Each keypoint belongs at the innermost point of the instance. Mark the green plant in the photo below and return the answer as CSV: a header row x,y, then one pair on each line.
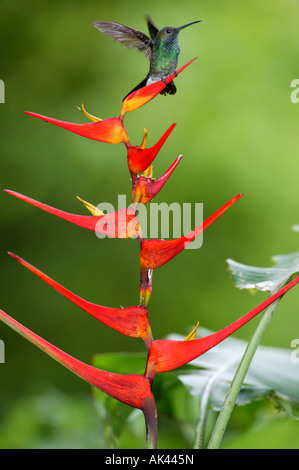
x,y
109,374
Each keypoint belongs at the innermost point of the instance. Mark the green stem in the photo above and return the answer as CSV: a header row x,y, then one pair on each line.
x,y
204,405
150,415
239,377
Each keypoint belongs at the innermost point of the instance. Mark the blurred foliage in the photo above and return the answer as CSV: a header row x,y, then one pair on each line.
x,y
237,130
48,420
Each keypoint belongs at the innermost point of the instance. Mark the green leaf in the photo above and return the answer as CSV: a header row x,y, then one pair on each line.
x,y
197,383
264,279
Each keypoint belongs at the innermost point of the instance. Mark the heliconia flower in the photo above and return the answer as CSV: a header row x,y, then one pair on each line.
x,y
110,131
140,158
147,188
120,224
154,253
132,389
142,96
166,355
130,321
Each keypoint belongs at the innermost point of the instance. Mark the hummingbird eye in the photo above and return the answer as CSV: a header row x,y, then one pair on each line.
x,y
168,31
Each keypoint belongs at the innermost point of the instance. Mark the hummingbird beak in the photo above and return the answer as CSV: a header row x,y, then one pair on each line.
x,y
188,24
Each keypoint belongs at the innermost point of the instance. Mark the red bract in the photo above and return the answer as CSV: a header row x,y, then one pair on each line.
x,y
130,321
140,158
142,96
132,389
147,188
166,355
110,131
120,224
155,253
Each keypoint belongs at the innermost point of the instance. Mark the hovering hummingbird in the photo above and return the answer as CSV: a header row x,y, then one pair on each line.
x,y
161,48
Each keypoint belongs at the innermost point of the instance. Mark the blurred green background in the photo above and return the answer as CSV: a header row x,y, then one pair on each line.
x,y
236,127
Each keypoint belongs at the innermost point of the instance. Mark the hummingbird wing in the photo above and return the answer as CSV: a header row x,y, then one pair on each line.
x,y
127,36
152,28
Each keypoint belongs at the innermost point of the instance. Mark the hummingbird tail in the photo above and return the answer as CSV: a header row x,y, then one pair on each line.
x,y
137,87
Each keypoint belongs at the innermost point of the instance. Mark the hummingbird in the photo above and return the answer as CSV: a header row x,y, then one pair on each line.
x,y
161,48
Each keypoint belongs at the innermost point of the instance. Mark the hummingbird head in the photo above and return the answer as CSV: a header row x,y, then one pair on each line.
x,y
168,34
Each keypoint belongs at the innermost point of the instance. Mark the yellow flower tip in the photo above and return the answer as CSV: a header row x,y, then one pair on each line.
x,y
94,210
89,116
191,335
136,195
143,143
144,297
141,297
147,298
135,230
148,173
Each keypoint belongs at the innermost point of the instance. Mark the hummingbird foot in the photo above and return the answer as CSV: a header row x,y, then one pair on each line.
x,y
170,89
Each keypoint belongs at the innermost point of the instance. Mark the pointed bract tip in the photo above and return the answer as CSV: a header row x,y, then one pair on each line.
x,y
13,255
